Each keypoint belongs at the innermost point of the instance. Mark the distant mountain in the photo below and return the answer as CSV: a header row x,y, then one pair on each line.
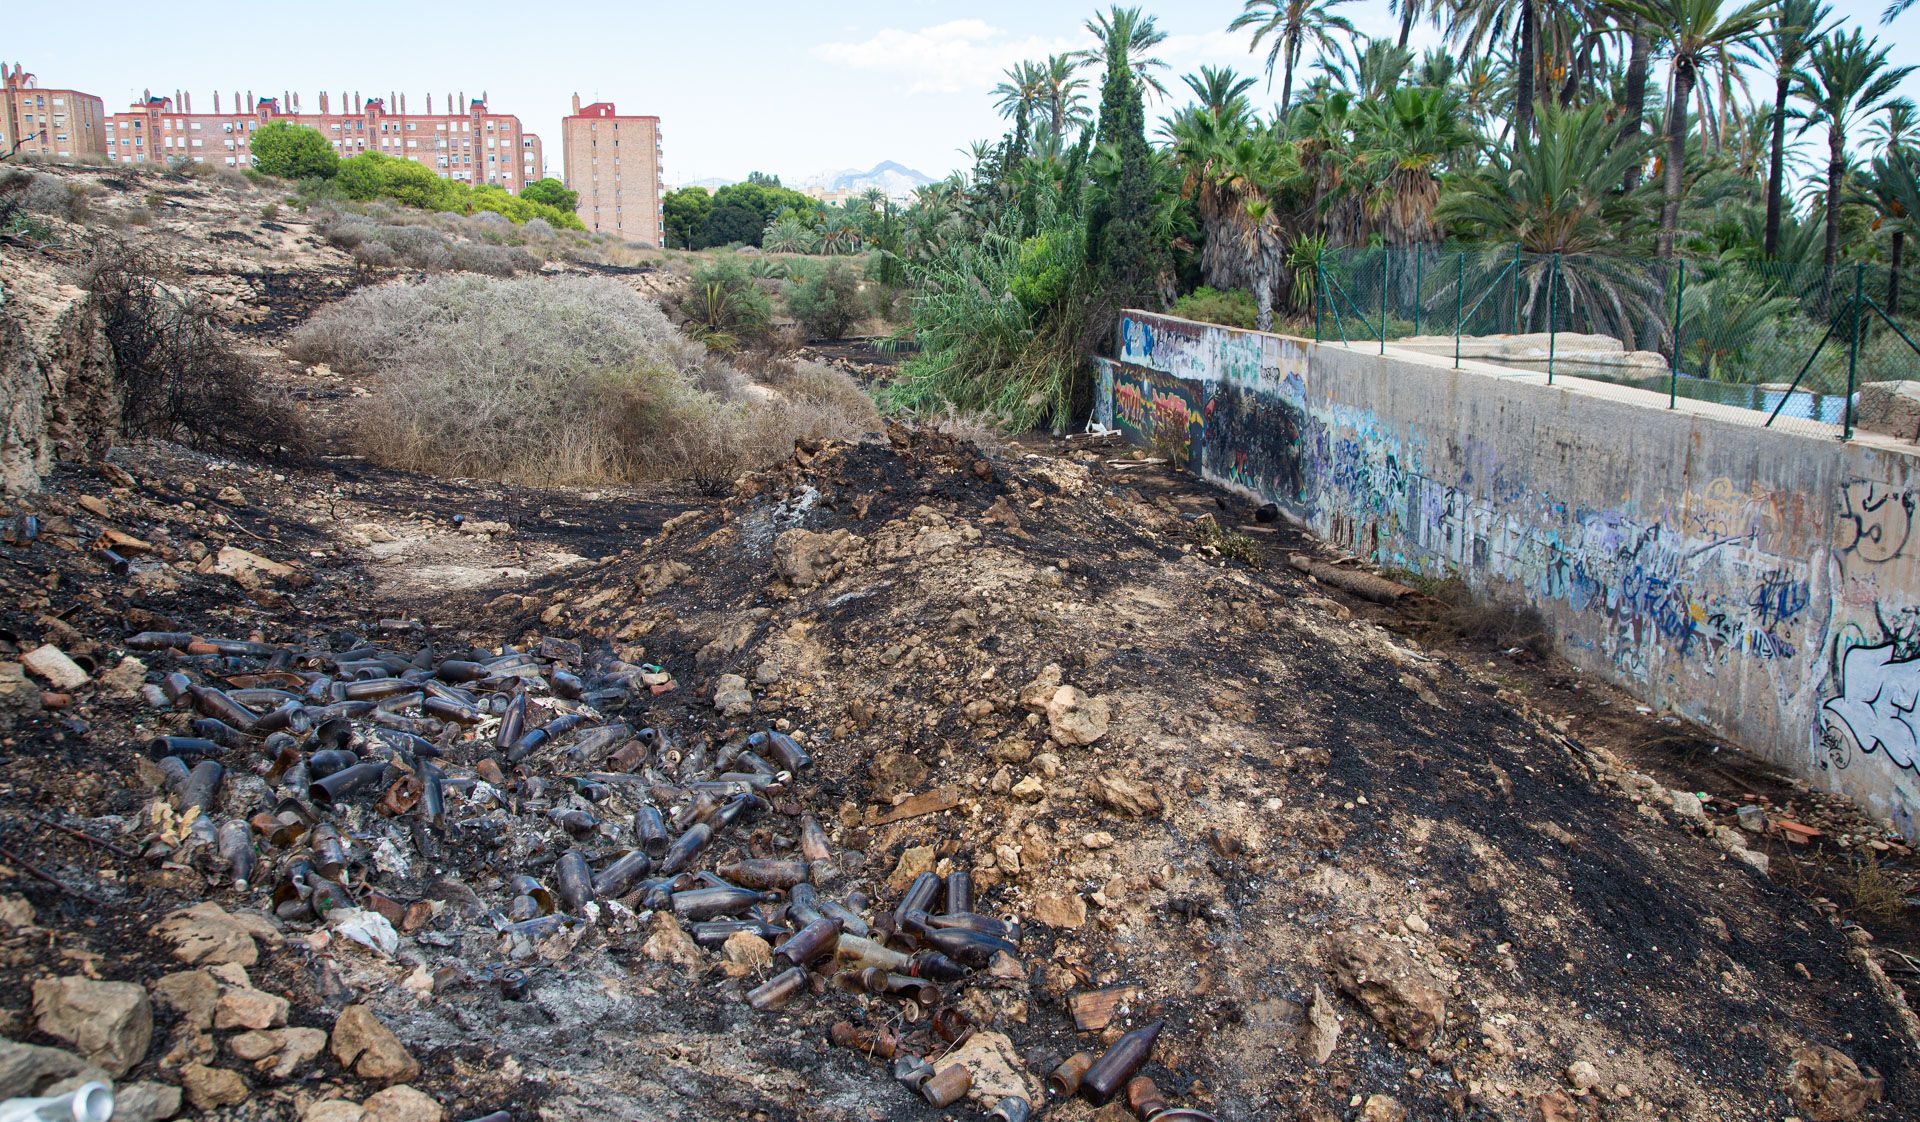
x,y
895,179
712,183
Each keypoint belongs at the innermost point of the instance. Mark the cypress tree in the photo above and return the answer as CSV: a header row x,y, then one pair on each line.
x,y
1120,231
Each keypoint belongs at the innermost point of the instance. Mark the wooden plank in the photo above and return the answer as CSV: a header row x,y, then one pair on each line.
x,y
1093,1010
926,802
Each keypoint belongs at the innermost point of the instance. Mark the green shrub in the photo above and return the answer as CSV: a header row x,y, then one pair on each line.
x,y
723,305
270,211
1232,308
293,151
827,300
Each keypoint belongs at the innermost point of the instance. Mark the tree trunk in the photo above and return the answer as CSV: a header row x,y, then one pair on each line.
x,y
1636,96
1262,297
1776,164
1406,21
1286,83
1676,157
1893,274
1524,75
1836,167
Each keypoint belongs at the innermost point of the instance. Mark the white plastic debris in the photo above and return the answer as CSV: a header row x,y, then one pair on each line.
x,y
369,929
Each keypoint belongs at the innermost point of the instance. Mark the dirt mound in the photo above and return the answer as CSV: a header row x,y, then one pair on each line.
x,y
1276,801
1340,868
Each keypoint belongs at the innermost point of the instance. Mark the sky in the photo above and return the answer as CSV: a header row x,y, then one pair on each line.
x,y
793,89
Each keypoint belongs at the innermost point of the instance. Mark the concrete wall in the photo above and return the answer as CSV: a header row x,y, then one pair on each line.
x,y
1765,583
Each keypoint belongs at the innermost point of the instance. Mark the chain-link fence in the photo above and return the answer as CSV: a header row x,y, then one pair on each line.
x,y
1797,343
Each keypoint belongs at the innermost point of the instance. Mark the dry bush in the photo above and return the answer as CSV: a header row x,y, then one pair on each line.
x,y
553,380
494,260
40,193
178,374
1452,612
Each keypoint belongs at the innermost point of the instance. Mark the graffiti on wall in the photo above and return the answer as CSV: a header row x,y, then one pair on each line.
x,y
1103,392
1791,613
1158,411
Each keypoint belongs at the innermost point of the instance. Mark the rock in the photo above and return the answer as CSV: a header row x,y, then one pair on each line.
x,y
369,1049
210,1088
485,529
19,697
1076,719
670,943
1060,909
914,860
334,1110
124,681
145,1102
1383,1108
803,558
298,1048
28,1070
744,948
231,495
110,1023
16,913
190,993
1029,789
401,1104
895,772
251,1046
1322,1030
249,1009
1098,839
656,578
1556,1106
52,664
206,933
996,1068
1892,408
246,567
1582,1076
1399,992
731,696
1827,1086
1686,804
1035,694
1128,796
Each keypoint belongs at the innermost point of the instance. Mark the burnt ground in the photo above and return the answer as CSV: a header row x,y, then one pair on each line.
x,y
1318,776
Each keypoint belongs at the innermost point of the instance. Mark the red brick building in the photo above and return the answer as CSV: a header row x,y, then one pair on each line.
x,y
51,124
468,142
614,162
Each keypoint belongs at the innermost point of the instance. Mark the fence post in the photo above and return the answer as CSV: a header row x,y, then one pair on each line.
x,y
1518,288
1459,297
1679,315
1553,304
1319,291
1386,272
1417,276
1853,350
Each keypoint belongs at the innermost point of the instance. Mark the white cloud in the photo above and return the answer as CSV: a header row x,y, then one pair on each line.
x,y
960,56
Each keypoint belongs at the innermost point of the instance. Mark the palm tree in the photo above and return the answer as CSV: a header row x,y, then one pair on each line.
x,y
1898,127
1023,88
1368,72
1725,315
1892,189
1220,91
1789,33
1290,23
1411,136
1129,35
1698,37
1410,10
1062,93
1845,77
1477,21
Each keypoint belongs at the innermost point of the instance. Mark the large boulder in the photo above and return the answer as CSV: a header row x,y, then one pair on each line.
x,y
110,1023
58,395
1892,408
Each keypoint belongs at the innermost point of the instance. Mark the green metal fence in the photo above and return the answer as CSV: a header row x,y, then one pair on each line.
x,y
1793,342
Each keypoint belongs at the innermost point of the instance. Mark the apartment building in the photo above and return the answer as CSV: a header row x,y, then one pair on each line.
x,y
53,124
467,141
614,163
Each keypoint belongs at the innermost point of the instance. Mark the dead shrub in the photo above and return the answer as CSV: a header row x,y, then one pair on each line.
x,y
1874,892
553,380
179,376
494,260
1450,611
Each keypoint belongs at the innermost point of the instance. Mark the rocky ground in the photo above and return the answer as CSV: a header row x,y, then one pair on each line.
x,y
1358,861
